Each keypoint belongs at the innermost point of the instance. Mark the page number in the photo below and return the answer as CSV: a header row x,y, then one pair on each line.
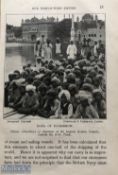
x,y
101,6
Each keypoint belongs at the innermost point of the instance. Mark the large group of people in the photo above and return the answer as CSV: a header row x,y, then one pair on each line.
x,y
61,87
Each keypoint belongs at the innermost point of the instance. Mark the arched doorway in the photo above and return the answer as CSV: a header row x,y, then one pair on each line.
x,y
33,37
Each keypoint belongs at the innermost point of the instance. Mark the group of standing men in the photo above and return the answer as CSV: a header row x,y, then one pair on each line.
x,y
44,48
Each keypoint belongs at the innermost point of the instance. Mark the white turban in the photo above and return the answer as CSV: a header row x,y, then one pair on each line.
x,y
30,88
84,95
38,39
66,93
39,76
20,81
97,91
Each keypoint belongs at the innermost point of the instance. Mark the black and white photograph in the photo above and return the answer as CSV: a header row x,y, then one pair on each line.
x,y
55,66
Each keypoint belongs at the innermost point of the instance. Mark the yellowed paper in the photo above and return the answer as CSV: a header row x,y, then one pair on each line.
x,y
37,145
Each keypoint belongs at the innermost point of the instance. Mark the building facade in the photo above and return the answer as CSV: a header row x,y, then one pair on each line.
x,y
10,36
35,28
90,28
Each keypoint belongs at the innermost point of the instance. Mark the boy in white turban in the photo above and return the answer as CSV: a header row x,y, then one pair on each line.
x,y
66,108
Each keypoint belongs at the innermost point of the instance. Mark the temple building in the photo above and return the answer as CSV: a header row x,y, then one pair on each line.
x,y
90,27
34,28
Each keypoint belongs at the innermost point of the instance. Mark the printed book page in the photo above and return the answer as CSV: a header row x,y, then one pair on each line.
x,y
58,81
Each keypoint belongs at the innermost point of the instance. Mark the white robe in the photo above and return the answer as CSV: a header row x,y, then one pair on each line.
x,y
71,51
58,48
95,50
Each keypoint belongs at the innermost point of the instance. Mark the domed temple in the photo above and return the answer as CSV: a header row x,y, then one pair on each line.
x,y
89,27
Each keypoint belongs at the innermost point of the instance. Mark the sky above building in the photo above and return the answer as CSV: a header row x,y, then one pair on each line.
x,y
15,19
